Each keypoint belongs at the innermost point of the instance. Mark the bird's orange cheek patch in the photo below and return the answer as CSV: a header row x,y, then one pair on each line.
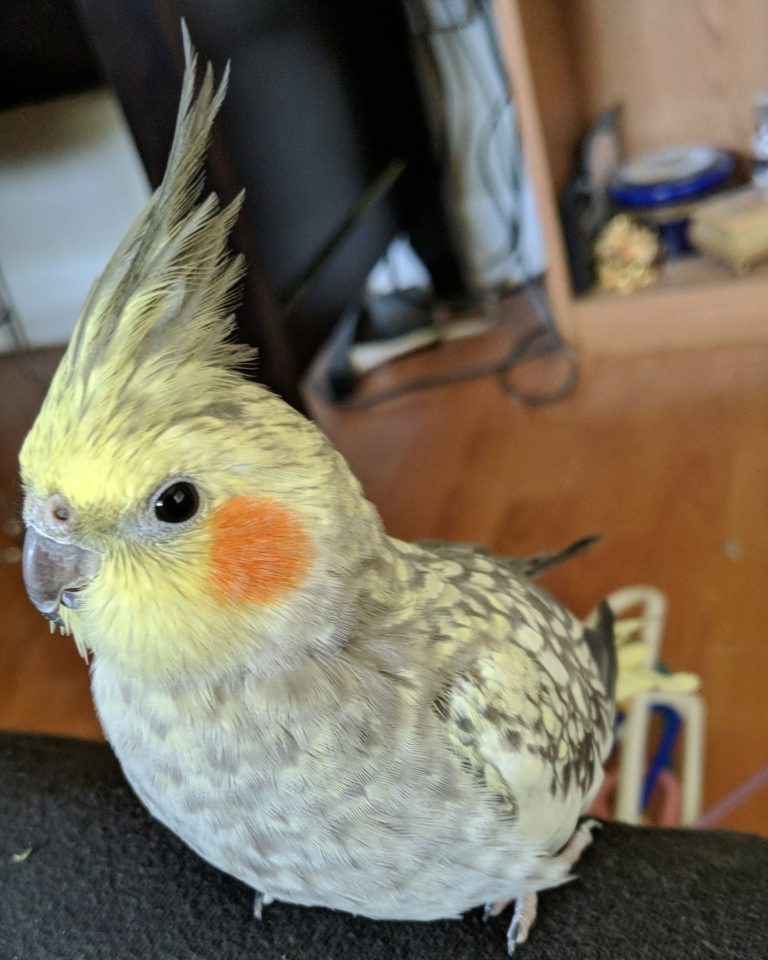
x,y
260,550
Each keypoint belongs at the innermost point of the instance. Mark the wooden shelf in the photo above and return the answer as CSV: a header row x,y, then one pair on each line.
x,y
696,302
687,273
569,59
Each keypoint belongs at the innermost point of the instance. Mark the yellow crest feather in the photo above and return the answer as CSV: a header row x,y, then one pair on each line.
x,y
153,335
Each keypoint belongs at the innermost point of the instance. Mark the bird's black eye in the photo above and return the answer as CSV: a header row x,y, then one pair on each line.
x,y
177,503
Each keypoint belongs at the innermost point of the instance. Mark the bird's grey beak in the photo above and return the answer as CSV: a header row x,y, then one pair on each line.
x,y
54,571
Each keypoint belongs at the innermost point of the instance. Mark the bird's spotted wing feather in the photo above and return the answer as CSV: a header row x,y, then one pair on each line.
x,y
524,704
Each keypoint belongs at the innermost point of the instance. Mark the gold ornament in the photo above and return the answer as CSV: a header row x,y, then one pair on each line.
x,y
627,255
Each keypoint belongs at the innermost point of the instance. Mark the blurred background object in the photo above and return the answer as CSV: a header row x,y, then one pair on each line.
x,y
585,204
734,228
70,185
356,131
663,187
627,254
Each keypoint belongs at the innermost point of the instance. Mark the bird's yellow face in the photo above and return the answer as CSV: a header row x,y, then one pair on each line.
x,y
173,552
182,520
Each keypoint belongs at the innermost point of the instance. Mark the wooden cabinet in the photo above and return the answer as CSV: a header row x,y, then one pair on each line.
x,y
683,72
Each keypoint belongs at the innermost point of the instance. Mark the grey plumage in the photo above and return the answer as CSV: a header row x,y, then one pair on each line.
x,y
332,715
439,761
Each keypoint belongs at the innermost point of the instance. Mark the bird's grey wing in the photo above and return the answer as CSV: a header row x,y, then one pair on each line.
x,y
529,567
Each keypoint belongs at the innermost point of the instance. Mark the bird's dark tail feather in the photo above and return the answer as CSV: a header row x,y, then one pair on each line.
x,y
602,645
539,562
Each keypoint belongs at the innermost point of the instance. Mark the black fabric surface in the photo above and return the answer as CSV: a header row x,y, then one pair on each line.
x,y
106,881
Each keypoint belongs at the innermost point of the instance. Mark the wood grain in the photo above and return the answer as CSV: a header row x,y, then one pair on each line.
x,y
664,455
560,101
532,118
696,303
685,72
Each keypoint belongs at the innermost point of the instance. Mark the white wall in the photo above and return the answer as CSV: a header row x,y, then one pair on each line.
x,y
70,184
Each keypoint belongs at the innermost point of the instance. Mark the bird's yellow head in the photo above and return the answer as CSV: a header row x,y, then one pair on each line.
x,y
179,517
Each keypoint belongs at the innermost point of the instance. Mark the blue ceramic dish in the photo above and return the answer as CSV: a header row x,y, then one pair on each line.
x,y
661,187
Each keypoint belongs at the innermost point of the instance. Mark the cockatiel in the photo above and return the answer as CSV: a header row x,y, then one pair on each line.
x,y
333,716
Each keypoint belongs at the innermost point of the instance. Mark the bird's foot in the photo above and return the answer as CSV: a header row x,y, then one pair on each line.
x,y
581,838
522,919
525,906
260,901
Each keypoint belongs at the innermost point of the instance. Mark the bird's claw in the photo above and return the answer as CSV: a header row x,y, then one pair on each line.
x,y
260,901
522,919
512,941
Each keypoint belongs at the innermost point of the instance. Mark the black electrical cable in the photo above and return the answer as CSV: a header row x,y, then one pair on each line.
x,y
542,340
524,350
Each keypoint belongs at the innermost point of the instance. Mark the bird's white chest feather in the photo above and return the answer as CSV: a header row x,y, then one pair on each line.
x,y
388,827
